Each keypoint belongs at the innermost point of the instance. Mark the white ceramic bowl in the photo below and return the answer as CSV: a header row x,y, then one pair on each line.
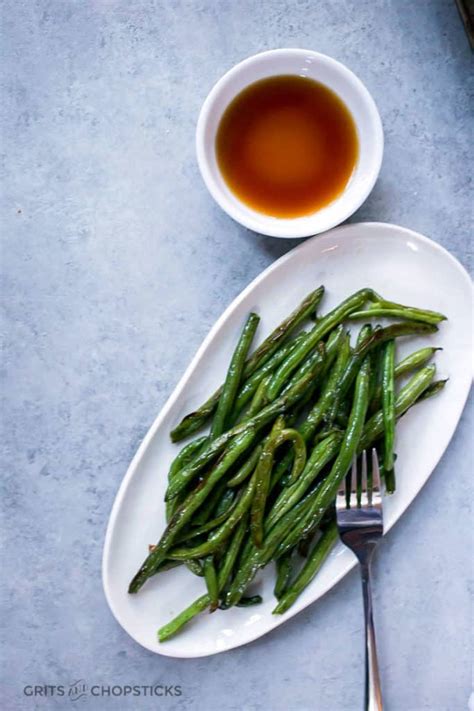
x,y
346,85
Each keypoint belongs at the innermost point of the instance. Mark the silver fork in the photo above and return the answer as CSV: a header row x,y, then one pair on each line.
x,y
360,525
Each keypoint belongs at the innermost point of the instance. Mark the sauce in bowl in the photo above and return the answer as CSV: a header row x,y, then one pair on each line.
x,y
287,146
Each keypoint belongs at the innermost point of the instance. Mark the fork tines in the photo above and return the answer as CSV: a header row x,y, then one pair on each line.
x,y
370,487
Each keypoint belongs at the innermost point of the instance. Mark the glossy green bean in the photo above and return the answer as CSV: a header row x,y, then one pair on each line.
x,y
395,330
281,333
262,482
186,455
314,562
246,469
244,602
233,377
432,389
189,534
298,449
250,601
195,567
347,375
210,576
258,400
389,417
172,627
407,397
205,511
284,571
384,309
328,393
232,552
407,365
250,386
315,362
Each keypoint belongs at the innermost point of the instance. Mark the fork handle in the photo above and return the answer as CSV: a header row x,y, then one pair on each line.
x,y
373,691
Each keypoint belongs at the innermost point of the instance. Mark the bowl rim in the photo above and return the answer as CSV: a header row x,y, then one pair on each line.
x,y
305,225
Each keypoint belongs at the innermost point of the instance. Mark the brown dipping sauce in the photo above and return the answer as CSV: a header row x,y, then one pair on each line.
x,y
287,146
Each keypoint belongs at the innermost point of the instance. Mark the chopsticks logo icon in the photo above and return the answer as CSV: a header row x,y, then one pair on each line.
x,y
77,690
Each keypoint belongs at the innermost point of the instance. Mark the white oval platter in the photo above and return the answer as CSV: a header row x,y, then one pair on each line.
x,y
402,265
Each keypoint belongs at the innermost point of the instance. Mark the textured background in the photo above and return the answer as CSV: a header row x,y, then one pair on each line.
x,y
116,262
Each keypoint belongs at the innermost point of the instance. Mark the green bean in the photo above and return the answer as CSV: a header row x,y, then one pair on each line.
x,y
284,573
383,309
257,401
186,455
407,365
170,508
415,360
395,330
304,527
304,545
252,383
232,552
299,451
432,389
225,503
262,481
347,375
210,577
244,602
208,526
388,398
407,397
233,378
264,417
333,344
328,394
249,601
324,326
315,362
203,602
321,455
186,510
375,357
313,564
195,567
168,565
195,420
170,629
385,477
246,469
375,395
205,511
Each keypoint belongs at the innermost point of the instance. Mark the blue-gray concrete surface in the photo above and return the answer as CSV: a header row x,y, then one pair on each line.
x,y
116,262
